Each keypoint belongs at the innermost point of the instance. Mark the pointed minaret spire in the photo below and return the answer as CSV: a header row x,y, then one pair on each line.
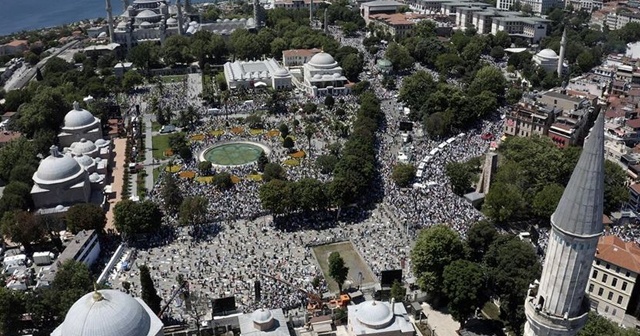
x,y
180,19
311,13
326,23
109,19
563,47
559,306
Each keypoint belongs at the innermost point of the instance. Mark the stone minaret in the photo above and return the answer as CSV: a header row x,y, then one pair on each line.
x,y
326,23
180,21
311,13
256,13
109,20
563,46
558,307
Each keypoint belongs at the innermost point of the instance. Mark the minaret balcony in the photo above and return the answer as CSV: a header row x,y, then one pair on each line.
x,y
553,322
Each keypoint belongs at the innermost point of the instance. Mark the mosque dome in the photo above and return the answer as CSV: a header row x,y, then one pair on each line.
x,y
102,35
262,319
57,167
322,60
145,25
101,143
281,73
146,14
337,75
374,314
548,53
78,117
106,313
317,76
95,177
84,160
172,21
84,146
121,25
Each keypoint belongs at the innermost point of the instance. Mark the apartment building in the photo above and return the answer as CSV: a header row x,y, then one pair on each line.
x,y
524,120
298,57
612,286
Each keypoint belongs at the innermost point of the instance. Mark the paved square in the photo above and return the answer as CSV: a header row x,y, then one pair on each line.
x,y
352,259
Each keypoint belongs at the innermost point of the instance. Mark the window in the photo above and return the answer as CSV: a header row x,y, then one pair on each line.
x,y
608,266
614,311
624,286
595,274
610,296
600,291
590,288
619,299
598,262
606,309
628,274
614,282
604,278
617,269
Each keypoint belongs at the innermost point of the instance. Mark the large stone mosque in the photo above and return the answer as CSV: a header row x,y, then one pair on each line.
x,y
156,20
77,174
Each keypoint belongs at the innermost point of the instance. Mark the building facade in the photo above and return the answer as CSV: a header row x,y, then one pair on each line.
x,y
557,305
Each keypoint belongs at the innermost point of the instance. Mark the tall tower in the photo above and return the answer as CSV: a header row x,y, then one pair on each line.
x,y
256,14
326,23
311,13
563,46
109,20
180,21
558,307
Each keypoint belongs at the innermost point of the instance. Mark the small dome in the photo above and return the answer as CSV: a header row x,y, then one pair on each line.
x,y
548,53
56,167
102,35
101,143
317,76
374,314
78,117
84,160
145,24
322,60
106,313
243,20
95,177
219,20
193,23
337,75
234,20
146,14
281,73
59,207
121,25
225,20
261,316
172,20
84,146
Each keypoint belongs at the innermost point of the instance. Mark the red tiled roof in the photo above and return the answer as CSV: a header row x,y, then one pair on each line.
x,y
300,52
633,123
7,136
18,43
606,219
635,187
617,252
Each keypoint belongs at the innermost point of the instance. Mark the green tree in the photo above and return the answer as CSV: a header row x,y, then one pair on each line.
x,y
176,50
399,57
245,45
465,284
338,271
171,193
512,266
403,174
284,130
513,95
459,176
10,315
193,210
277,196
435,248
480,237
352,66
132,218
398,291
262,161
21,226
145,55
273,171
72,281
326,163
497,52
310,194
416,89
204,167
489,79
131,79
600,326
222,181
85,216
546,200
149,294
615,191
288,143
503,202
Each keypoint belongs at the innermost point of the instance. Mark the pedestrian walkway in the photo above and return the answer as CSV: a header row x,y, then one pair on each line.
x,y
117,179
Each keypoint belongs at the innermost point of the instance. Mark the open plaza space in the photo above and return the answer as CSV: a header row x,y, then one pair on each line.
x,y
233,153
360,274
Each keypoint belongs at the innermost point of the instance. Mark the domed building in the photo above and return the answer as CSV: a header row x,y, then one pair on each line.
x,y
264,322
377,317
546,59
78,124
256,74
59,180
323,76
109,312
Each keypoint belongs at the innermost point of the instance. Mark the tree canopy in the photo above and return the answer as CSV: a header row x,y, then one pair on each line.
x,y
85,216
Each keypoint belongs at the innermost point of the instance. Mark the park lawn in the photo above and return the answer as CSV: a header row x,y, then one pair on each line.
x,y
160,144
292,162
255,178
217,132
197,137
155,126
173,168
204,179
173,78
256,131
352,259
156,173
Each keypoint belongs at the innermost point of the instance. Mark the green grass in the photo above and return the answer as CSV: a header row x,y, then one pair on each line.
x,y
155,126
156,172
352,260
160,143
140,182
491,311
173,78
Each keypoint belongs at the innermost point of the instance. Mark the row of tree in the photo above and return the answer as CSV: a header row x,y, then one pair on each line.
x,y
531,177
465,274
